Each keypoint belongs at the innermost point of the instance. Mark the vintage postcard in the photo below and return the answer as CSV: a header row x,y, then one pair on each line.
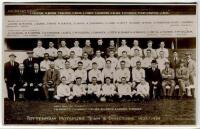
x,y
99,63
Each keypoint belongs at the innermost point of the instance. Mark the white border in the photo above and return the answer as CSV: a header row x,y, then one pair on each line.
x,y
103,126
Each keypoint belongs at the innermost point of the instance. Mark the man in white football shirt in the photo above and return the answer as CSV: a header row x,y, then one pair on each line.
x,y
135,58
99,60
108,90
38,52
52,51
64,49
80,72
68,73
162,48
73,60
122,48
136,46
122,72
94,90
125,58
78,51
114,61
59,62
149,47
95,72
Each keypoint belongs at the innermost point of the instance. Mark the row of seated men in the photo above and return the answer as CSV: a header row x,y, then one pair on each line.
x,y
31,75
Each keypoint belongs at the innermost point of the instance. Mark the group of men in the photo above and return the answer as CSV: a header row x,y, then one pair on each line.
x,y
104,74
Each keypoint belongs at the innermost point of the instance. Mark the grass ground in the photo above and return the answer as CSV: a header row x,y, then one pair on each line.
x,y
160,112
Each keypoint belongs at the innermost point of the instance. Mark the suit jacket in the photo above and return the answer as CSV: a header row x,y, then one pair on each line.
x,y
175,63
22,78
153,75
36,77
182,74
191,67
55,77
11,72
29,65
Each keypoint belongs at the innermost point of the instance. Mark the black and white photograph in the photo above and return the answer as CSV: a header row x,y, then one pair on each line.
x,y
99,64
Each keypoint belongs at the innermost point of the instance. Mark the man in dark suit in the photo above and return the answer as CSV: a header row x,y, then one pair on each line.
x,y
28,64
154,78
51,79
22,82
35,89
175,61
10,75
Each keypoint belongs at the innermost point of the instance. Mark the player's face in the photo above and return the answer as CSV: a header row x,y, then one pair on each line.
x,y
135,43
112,43
138,65
148,53
100,42
181,65
85,56
136,52
107,81
162,44
78,81
80,66
98,53
111,54
142,81
63,43
67,65
94,66
123,42
162,54
63,80
175,54
39,44
51,44
52,66
167,65
123,81
87,42
46,57
72,54
188,57
94,80
59,54
150,44
122,65
124,54
76,43
108,64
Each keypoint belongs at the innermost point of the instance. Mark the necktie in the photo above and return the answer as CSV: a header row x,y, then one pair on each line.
x,y
51,74
187,64
181,72
175,60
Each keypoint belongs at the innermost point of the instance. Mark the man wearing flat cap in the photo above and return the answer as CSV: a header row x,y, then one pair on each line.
x,y
154,78
168,80
10,75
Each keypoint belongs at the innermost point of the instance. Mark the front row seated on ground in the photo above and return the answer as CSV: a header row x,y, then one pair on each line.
x,y
107,92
